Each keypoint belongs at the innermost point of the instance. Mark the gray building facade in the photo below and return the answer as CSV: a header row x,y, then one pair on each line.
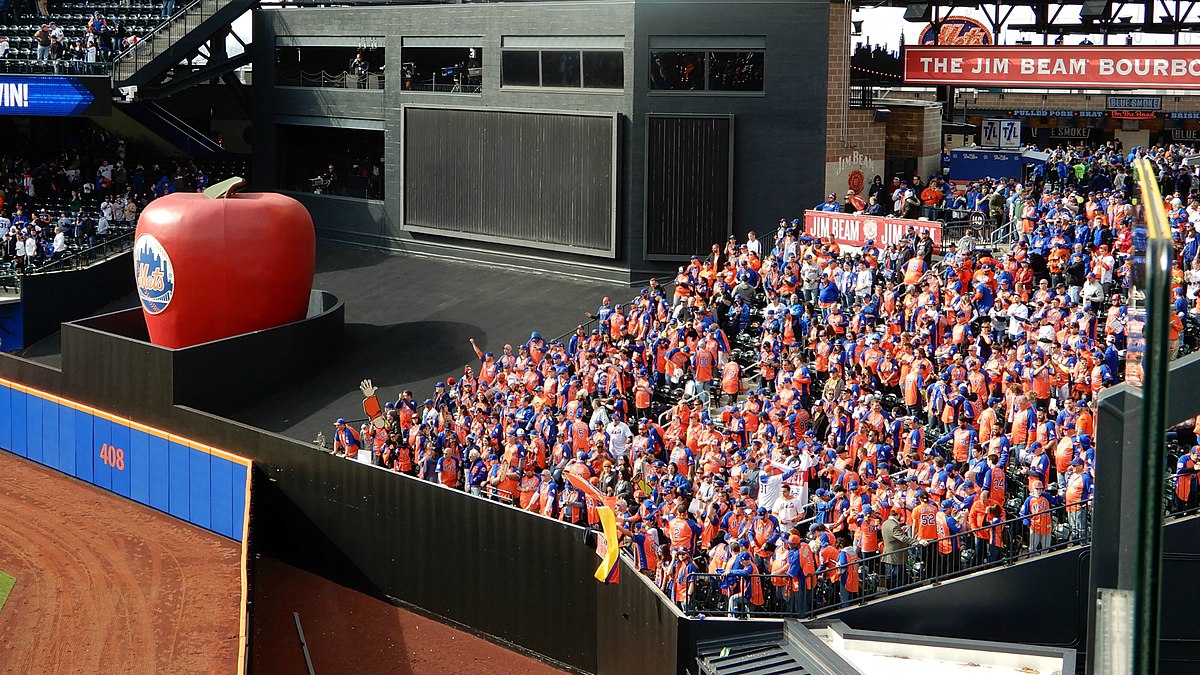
x,y
605,139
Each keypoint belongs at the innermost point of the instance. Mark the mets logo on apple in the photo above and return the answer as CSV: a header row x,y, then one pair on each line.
x,y
154,274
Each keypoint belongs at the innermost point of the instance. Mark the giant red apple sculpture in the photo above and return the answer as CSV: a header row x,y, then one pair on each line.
x,y
216,264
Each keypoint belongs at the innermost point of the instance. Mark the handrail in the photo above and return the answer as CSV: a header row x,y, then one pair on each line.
x,y
83,257
149,35
921,564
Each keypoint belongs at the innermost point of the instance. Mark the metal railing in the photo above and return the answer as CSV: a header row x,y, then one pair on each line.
x,y
447,88
878,575
342,80
185,19
54,67
79,258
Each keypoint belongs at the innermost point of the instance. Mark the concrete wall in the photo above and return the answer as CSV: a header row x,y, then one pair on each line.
x,y
777,133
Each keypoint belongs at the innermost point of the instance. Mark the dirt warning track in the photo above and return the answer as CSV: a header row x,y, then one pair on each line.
x,y
108,585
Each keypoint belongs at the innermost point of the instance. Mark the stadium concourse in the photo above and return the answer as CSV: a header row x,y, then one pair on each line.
x,y
790,426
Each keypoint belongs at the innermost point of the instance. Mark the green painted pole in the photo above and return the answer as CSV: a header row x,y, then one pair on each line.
x,y
1148,546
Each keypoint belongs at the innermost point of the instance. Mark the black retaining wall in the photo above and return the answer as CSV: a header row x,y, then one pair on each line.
x,y
50,298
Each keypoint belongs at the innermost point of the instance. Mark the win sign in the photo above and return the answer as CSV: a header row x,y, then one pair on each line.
x,y
54,96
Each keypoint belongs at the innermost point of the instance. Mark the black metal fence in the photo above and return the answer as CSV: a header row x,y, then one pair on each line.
x,y
79,256
26,66
832,586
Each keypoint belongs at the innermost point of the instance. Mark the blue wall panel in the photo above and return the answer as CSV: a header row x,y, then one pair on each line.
x,y
66,439
120,448
51,450
84,466
33,428
101,471
19,437
221,497
164,473
160,474
137,463
6,424
240,477
178,457
200,491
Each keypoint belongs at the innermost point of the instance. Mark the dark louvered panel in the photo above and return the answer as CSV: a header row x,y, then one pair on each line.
x,y
527,178
688,174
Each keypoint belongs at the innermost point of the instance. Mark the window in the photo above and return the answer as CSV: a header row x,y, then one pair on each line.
x,y
520,69
677,71
593,62
603,70
560,69
329,66
331,161
725,70
443,68
735,71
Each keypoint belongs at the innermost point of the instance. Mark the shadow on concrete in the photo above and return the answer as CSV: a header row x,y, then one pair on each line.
x,y
390,356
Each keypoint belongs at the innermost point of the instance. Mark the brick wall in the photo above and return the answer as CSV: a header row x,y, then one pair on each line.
x,y
863,149
839,78
914,131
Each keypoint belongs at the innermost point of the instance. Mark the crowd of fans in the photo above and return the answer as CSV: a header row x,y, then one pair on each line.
x,y
1099,172
74,49
79,195
794,423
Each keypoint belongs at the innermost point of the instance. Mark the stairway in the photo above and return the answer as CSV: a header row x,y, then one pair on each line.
x,y
163,48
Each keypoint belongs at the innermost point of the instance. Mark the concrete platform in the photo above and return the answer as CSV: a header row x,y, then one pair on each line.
x,y
408,321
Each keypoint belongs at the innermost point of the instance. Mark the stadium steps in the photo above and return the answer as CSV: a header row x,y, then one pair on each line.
x,y
173,41
148,124
771,652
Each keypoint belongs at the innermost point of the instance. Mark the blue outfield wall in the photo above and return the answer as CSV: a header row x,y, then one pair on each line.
x,y
191,481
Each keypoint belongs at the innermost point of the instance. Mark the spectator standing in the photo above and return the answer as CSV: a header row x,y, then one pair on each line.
x,y
896,543
361,68
60,243
42,37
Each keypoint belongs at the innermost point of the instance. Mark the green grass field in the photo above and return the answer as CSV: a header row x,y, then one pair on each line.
x,y
6,586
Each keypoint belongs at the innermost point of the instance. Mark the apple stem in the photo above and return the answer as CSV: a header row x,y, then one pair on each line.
x,y
225,188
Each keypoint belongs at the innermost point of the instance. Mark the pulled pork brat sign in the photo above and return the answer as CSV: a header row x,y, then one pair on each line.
x,y
1099,67
853,230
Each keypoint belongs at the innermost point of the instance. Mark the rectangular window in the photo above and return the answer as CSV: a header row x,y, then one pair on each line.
x,y
520,69
452,69
710,70
560,68
735,71
603,70
331,161
329,66
677,71
563,62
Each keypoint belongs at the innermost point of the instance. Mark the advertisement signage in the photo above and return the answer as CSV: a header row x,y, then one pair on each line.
x,y
956,30
1054,67
1000,134
853,230
54,95
1135,102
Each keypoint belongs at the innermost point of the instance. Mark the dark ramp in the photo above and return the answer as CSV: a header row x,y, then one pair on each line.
x,y
408,320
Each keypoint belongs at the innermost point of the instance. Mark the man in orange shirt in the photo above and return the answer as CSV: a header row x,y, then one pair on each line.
x,y
1037,517
922,522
